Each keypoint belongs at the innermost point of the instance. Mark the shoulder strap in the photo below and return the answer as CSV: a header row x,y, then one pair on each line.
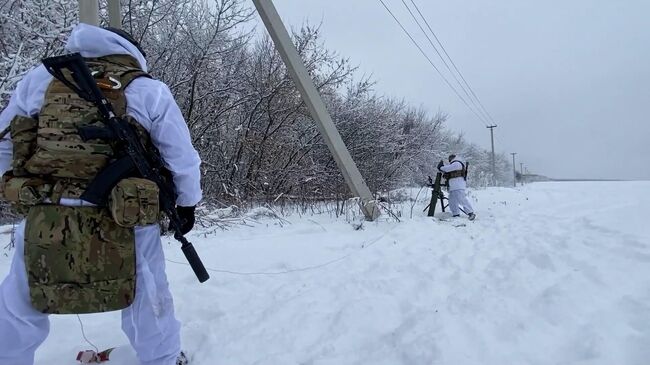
x,y
461,164
130,75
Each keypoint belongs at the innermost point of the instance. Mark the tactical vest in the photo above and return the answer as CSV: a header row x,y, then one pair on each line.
x,y
60,152
79,259
458,173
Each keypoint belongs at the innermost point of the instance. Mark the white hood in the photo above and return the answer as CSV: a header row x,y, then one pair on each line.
x,y
93,41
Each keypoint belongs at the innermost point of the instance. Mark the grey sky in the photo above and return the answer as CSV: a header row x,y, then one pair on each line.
x,y
568,81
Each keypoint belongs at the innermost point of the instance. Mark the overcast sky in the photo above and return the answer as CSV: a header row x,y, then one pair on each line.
x,y
567,81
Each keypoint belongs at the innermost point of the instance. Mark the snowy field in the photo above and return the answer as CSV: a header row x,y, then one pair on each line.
x,y
551,273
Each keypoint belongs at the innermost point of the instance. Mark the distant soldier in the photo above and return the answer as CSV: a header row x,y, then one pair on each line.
x,y
456,175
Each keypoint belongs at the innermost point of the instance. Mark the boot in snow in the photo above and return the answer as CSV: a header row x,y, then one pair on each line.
x,y
472,216
182,359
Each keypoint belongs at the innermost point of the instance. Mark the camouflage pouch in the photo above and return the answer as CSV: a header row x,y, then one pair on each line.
x,y
78,260
68,159
134,202
25,191
23,137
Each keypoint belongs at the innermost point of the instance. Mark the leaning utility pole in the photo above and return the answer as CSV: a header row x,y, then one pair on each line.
x,y
316,106
89,12
494,165
514,169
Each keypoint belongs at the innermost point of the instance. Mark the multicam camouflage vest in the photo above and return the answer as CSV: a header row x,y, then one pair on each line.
x,y
50,159
60,152
79,259
458,173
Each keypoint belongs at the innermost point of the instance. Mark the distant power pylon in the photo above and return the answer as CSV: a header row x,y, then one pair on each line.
x,y
514,169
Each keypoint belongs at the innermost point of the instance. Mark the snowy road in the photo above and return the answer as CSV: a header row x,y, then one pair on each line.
x,y
552,273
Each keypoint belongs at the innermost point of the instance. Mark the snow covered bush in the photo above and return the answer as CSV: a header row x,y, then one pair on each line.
x,y
31,30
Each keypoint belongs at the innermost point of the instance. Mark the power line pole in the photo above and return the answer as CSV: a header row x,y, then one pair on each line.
x,y
316,106
114,14
514,169
89,12
494,166
521,172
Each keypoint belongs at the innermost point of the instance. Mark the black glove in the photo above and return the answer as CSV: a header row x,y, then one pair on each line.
x,y
187,218
441,164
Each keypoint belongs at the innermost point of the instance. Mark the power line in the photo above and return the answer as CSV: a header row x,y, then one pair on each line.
x,y
430,61
470,98
452,61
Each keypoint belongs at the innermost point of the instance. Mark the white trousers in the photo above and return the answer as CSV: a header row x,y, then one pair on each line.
x,y
149,322
458,199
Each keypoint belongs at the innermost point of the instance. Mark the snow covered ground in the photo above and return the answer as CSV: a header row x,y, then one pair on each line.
x,y
551,273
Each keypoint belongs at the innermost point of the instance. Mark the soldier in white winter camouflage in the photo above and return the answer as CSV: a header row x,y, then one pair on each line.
x,y
73,257
456,174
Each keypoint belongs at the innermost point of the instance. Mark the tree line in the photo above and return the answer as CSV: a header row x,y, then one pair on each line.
x,y
246,118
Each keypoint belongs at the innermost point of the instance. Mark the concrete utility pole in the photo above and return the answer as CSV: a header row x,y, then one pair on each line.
x,y
494,166
89,12
316,106
514,169
114,14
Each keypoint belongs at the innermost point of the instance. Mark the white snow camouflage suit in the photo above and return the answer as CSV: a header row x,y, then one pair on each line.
x,y
457,186
149,323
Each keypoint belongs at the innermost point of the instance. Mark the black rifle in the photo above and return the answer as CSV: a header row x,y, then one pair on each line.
x,y
132,158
